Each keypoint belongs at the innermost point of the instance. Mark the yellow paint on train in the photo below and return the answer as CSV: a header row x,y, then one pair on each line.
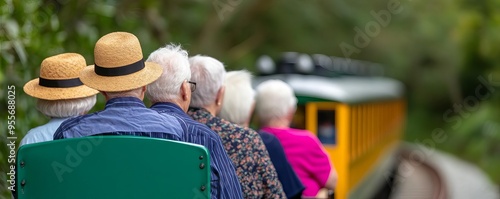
x,y
365,132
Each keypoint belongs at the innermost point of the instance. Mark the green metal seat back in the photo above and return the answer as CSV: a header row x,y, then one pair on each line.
x,y
113,167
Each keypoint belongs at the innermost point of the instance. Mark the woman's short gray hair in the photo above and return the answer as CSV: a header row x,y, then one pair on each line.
x,y
238,98
66,108
208,73
174,61
274,100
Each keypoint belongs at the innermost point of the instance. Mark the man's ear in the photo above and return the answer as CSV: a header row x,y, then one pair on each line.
x,y
185,90
143,92
220,96
105,95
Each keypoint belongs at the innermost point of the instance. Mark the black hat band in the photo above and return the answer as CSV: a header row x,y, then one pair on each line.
x,y
60,83
119,71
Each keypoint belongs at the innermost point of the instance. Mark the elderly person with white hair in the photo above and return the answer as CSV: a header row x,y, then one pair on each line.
x,y
171,95
237,107
275,107
239,98
60,94
244,146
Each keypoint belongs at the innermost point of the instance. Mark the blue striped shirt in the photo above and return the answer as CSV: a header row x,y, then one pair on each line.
x,y
225,183
122,116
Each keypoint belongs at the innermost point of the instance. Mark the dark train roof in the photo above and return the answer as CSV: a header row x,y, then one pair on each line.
x,y
330,78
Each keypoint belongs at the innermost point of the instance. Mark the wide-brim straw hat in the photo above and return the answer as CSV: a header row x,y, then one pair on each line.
x,y
119,65
59,79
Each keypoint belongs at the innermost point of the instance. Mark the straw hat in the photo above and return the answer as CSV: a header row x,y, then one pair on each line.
x,y
119,65
59,79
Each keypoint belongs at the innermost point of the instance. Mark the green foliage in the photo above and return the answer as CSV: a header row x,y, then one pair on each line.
x,y
438,49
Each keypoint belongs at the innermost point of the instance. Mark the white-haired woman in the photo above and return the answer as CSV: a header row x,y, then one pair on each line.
x,y
239,98
244,146
60,94
275,107
237,107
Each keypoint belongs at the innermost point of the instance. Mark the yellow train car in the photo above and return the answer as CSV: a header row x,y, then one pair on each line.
x,y
357,115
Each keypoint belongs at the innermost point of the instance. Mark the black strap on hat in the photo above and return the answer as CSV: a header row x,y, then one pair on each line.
x,y
59,83
119,71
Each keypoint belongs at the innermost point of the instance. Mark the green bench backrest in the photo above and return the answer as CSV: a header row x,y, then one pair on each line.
x,y
113,167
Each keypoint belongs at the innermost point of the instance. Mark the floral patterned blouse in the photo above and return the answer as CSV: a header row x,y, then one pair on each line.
x,y
244,146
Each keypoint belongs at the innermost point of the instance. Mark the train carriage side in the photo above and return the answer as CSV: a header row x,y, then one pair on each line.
x,y
359,121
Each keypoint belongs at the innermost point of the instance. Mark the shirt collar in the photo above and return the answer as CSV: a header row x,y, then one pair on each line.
x,y
125,102
198,113
168,105
57,119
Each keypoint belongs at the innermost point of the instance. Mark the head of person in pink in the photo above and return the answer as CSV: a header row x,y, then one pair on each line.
x,y
275,106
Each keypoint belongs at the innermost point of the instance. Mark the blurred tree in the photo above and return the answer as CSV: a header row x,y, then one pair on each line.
x,y
439,49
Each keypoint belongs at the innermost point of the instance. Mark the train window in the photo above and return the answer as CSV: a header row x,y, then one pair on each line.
x,y
299,119
327,132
